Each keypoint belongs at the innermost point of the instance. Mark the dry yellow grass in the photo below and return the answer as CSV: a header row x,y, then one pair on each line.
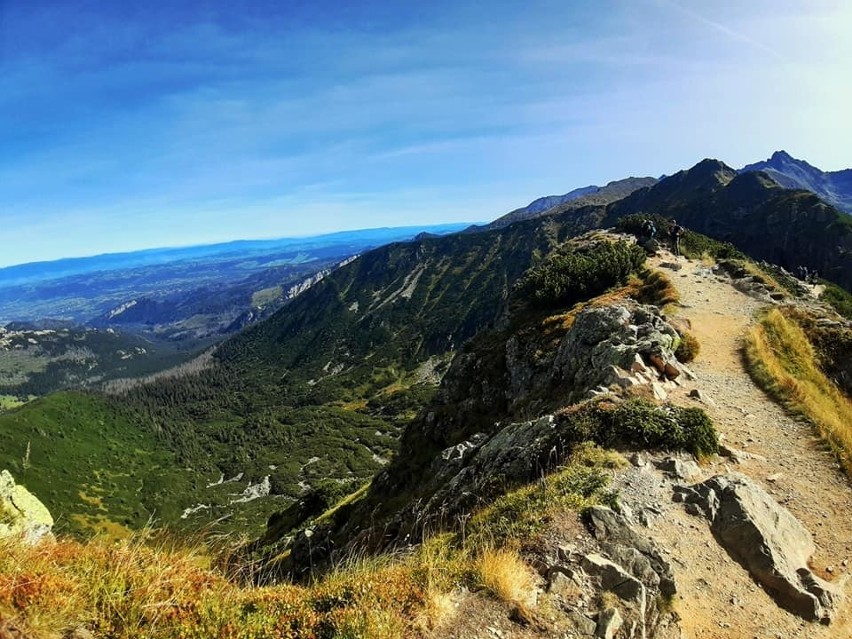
x,y
504,573
657,289
146,587
760,274
782,360
129,589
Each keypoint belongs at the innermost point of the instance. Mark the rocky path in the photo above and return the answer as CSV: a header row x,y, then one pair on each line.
x,y
719,598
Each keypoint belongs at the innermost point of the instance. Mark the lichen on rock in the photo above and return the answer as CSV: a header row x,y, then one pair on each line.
x,y
21,513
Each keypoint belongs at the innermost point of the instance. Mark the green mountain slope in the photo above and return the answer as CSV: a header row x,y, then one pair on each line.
x,y
751,211
314,399
90,464
318,392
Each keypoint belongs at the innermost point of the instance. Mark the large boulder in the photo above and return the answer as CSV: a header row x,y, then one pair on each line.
x,y
622,337
21,513
767,540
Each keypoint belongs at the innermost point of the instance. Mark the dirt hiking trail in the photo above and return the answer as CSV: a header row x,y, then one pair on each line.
x,y
783,455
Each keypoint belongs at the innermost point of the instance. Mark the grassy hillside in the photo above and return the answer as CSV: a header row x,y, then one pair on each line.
x,y
162,591
92,467
318,393
782,360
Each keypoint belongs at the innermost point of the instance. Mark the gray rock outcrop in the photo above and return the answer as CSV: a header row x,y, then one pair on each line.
x,y
766,539
620,562
624,343
21,513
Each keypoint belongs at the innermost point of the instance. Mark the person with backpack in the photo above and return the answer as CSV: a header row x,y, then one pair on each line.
x,y
649,229
675,233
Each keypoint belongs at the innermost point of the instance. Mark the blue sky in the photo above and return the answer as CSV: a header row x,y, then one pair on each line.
x,y
127,124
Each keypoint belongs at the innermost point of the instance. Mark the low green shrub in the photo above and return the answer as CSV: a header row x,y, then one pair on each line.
x,y
693,245
576,273
638,423
524,512
839,298
657,289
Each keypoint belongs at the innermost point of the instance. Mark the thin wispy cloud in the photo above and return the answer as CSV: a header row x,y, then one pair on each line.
x,y
731,33
247,115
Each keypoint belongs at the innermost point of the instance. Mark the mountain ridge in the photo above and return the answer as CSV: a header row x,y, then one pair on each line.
x,y
577,198
835,187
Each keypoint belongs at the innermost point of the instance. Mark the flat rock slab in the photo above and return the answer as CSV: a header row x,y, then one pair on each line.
x,y
767,540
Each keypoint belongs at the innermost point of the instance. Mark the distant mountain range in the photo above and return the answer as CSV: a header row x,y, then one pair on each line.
x,y
788,227
835,187
186,292
578,198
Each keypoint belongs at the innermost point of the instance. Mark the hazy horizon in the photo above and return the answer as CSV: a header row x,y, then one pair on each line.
x,y
130,126
179,247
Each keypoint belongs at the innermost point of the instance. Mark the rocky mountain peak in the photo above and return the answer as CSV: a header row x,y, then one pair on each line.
x,y
835,187
781,156
711,169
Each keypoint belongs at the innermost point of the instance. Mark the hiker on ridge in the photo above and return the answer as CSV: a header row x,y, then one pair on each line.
x,y
675,233
649,229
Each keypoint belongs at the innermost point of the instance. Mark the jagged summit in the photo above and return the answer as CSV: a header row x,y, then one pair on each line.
x,y
708,175
835,187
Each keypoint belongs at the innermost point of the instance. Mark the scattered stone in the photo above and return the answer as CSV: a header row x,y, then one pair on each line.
x,y
585,626
621,377
701,396
737,456
687,372
772,544
609,623
686,470
658,391
614,532
566,552
638,365
774,477
637,460
670,371
453,459
671,266
559,583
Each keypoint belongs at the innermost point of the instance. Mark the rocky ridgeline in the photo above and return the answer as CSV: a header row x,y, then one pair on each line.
x,y
622,553
616,559
616,578
607,349
625,345
21,513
